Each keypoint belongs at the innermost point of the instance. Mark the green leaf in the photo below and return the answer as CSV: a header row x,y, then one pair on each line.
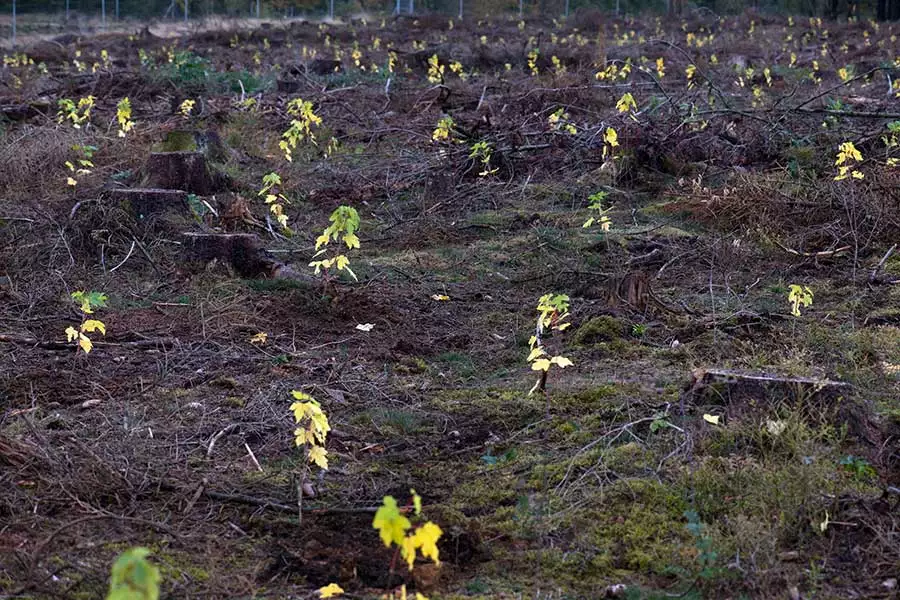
x,y
133,577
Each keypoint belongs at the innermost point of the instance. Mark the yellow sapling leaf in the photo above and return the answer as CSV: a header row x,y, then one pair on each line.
x,y
318,455
713,419
330,591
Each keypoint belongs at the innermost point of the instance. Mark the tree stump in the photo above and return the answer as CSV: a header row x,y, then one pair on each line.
x,y
145,203
186,171
243,251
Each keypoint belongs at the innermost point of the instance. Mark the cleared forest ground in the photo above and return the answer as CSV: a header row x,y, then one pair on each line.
x,y
706,441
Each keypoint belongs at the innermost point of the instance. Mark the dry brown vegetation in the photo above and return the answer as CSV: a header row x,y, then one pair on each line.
x,y
175,434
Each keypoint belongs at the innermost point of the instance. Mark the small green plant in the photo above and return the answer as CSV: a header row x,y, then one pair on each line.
x,y
82,164
87,302
274,199
123,116
595,203
799,296
133,577
859,467
482,152
304,118
553,311
78,113
395,528
344,225
559,121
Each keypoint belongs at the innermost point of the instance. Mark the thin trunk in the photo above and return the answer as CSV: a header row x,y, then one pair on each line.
x,y
14,23
331,9
185,10
117,10
460,10
103,13
412,6
521,8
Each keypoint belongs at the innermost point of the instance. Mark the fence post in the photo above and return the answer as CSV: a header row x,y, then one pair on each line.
x,y
14,23
460,10
331,9
411,6
521,8
103,13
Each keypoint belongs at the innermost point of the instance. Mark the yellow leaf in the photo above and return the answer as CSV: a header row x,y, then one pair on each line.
x,y
85,343
260,338
440,297
351,240
426,538
714,419
408,550
561,361
417,502
71,182
391,525
330,591
71,333
93,325
541,364
536,353
303,437
318,455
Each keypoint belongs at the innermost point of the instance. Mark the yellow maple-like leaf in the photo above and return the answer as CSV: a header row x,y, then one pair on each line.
x,y
318,455
536,352
541,364
260,338
351,240
71,182
417,502
561,361
322,240
341,262
85,343
427,537
71,333
330,591
93,325
303,436
440,297
713,419
391,525
408,550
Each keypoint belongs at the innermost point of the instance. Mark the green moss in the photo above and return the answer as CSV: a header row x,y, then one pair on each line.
x,y
411,365
179,141
235,402
599,329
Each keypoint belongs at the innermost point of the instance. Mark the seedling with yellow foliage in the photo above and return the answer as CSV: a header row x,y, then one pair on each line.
x,y
78,113
87,302
553,312
344,225
396,529
274,199
304,118
848,159
799,296
310,433
123,116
